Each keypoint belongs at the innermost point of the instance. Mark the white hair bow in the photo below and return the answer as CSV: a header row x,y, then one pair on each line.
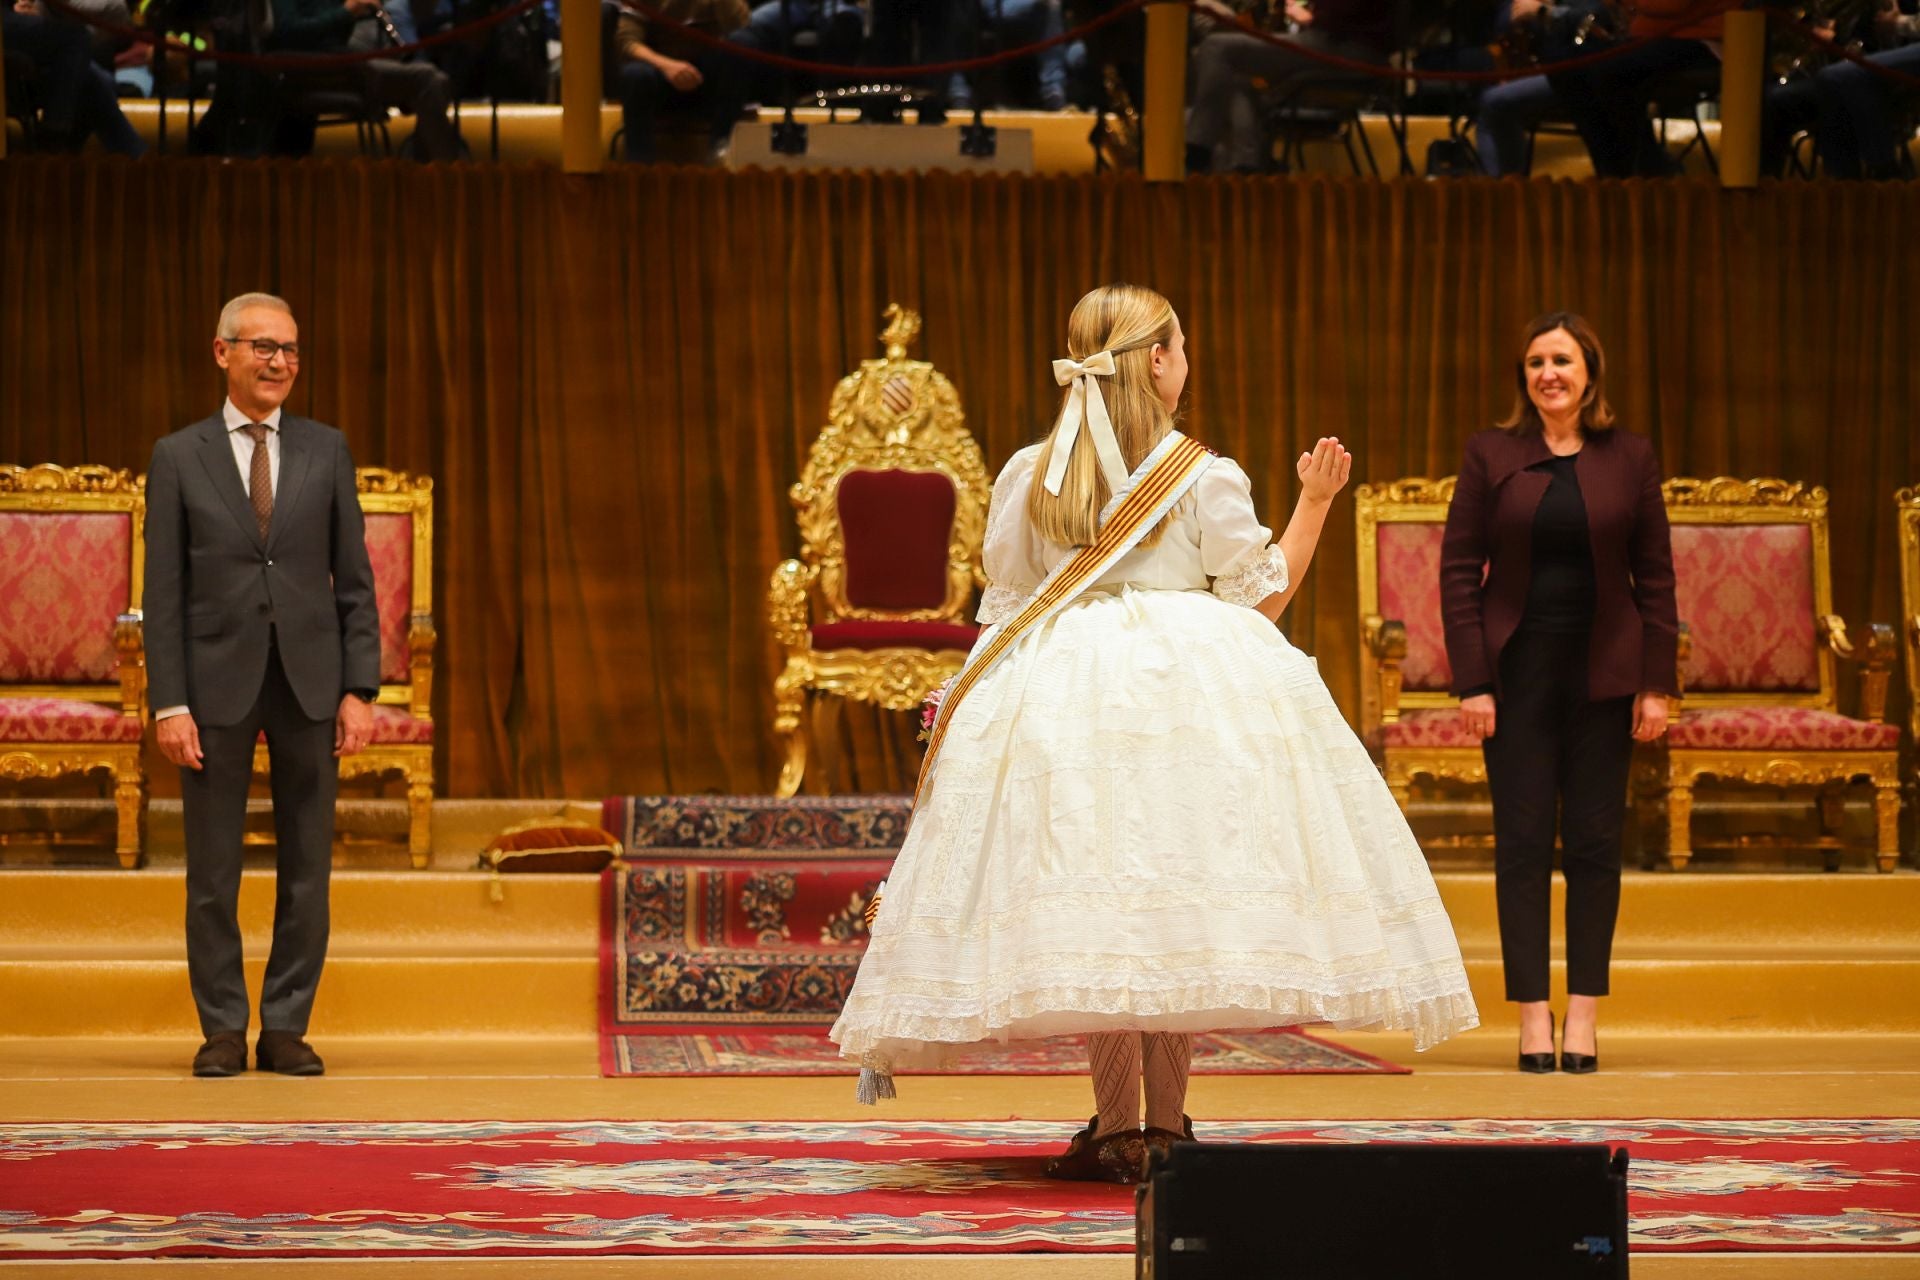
x,y
1085,406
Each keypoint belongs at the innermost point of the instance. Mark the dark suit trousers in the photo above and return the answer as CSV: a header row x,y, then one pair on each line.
x,y
305,780
1555,754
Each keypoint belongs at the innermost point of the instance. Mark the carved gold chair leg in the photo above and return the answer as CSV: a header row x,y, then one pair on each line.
x,y
1679,823
1886,822
790,725
130,804
420,817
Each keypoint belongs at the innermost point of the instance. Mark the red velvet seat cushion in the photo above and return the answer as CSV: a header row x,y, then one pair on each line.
x,y
1441,727
396,727
64,720
885,633
1779,728
897,526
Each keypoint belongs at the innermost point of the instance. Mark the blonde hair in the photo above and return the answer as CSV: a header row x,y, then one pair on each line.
x,y
229,327
1128,321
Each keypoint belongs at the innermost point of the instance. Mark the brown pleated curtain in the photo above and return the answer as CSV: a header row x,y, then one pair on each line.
x,y
614,379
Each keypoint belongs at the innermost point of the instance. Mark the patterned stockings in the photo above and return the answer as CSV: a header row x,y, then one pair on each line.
x,y
1120,1059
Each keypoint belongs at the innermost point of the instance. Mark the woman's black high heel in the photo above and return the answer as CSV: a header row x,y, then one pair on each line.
x,y
1581,1064
1540,1064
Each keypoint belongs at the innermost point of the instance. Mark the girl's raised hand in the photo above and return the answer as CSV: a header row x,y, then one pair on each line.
x,y
1324,471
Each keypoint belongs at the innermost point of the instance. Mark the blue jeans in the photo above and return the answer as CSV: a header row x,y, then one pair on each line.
x,y
77,98
1507,111
1608,103
1856,111
1023,22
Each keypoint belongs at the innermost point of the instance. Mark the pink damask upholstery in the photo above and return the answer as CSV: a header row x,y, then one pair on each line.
x,y
1439,728
395,726
1779,729
1409,563
898,526
63,581
1746,594
390,547
64,720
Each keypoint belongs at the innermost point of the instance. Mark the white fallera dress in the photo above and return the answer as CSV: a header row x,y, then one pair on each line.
x,y
1150,815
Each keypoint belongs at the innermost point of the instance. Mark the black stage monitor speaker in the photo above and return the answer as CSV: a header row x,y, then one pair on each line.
x,y
1383,1211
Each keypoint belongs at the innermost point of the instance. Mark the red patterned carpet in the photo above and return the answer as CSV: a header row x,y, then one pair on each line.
x,y
480,1188
802,1051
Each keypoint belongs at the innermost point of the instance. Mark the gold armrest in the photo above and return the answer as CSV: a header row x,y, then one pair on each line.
x,y
787,604
1875,659
1387,641
421,639
129,639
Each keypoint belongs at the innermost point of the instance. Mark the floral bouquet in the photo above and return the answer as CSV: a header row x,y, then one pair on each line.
x,y
930,709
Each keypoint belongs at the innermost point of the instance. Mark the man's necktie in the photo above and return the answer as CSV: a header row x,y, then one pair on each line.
x,y
260,477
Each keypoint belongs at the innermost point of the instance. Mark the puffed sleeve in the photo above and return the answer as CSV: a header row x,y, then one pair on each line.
x,y
1014,554
1236,550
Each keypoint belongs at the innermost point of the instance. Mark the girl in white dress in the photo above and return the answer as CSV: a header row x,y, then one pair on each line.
x,y
1142,815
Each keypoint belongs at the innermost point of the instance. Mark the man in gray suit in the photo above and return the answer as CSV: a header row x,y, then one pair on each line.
x,y
259,618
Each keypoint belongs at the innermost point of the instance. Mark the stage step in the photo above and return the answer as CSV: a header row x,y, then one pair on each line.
x,y
430,954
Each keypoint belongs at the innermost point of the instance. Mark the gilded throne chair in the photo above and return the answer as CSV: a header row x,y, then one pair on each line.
x,y
399,519
1759,648
73,674
1408,719
1907,503
892,510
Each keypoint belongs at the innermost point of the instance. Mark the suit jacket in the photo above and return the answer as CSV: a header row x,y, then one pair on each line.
x,y
213,587
1485,560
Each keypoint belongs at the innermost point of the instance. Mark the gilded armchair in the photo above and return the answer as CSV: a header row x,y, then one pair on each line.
x,y
1407,718
1759,649
1908,503
73,674
399,518
892,509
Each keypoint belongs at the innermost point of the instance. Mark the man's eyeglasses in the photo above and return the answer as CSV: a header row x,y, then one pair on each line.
x,y
266,349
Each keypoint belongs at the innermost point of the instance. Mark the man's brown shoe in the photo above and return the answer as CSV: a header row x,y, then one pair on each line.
x,y
224,1054
286,1053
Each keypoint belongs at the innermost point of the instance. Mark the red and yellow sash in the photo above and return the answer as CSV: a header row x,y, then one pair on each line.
x,y
1159,482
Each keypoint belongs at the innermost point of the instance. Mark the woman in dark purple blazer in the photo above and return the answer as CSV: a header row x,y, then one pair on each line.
x,y
1556,585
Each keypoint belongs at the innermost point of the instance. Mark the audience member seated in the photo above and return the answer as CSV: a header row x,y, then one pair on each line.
x,y
812,30
1861,120
665,70
1507,113
76,96
1608,100
1223,133
416,88
1014,24
920,32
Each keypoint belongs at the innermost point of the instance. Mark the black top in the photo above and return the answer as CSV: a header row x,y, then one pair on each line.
x,y
1560,589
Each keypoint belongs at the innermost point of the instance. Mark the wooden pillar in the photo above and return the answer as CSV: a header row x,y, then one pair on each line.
x,y
580,88
1164,145
1742,69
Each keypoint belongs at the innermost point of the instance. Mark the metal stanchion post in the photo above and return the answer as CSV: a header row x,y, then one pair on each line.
x,y
1164,146
580,88
1742,65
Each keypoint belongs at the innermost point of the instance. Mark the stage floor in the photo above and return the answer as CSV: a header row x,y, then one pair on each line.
x,y
558,1078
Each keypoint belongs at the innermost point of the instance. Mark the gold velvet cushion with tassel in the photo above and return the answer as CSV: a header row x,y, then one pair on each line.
x,y
545,845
